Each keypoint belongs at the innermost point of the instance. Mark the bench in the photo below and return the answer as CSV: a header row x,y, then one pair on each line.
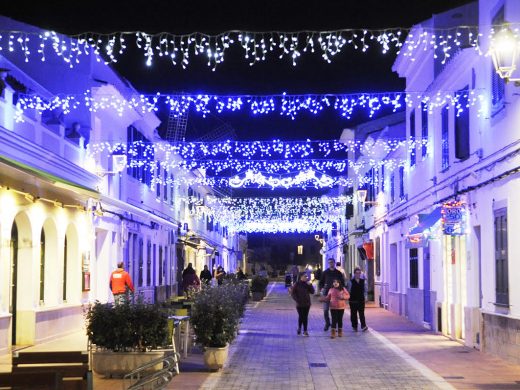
x,y
71,367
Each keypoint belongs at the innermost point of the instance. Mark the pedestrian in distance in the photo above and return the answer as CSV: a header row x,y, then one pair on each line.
x,y
357,287
327,277
219,275
120,284
205,276
301,292
190,280
240,274
337,296
295,272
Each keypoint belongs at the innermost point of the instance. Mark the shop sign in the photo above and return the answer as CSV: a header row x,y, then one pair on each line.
x,y
453,218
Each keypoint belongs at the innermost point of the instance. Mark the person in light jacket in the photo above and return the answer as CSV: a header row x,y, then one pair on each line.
x,y
301,292
337,296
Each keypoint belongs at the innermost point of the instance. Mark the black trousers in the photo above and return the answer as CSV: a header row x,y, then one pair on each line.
x,y
337,318
355,309
303,317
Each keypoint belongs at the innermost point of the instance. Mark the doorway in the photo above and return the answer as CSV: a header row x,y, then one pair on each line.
x,y
427,317
14,281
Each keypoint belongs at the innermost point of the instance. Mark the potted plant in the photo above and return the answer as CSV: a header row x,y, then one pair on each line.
x,y
215,316
259,287
125,336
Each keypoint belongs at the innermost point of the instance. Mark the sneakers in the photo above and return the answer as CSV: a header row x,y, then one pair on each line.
x,y
299,332
354,329
333,333
340,332
326,328
305,333
365,328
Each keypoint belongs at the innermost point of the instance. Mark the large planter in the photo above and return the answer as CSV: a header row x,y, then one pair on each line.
x,y
257,295
110,363
214,358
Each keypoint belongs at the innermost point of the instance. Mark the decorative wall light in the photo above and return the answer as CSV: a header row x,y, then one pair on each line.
x,y
504,50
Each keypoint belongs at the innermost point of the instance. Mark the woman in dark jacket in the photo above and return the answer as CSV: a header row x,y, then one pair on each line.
x,y
301,292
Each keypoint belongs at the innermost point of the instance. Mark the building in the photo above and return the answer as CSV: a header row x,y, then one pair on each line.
x,y
72,204
446,217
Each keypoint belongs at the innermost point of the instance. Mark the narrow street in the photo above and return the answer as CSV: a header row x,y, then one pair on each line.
x,y
268,354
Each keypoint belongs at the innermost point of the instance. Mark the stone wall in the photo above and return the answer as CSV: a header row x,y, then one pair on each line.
x,y
501,336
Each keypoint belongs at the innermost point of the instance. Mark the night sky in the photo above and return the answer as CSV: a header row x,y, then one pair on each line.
x,y
349,72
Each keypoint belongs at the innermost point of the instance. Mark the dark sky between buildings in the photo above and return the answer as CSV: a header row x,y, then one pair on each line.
x,y
350,72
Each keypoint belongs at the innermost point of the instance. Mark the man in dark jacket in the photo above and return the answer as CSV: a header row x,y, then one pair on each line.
x,y
327,277
357,288
205,275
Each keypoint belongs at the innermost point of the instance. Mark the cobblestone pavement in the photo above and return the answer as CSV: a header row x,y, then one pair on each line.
x,y
268,354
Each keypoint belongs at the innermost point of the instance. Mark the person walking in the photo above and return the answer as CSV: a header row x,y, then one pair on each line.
x,y
325,284
240,275
357,287
337,296
120,283
301,292
205,276
219,275
190,281
295,272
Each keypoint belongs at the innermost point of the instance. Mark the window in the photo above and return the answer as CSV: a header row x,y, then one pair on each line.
x,y
141,263
424,129
392,188
501,264
148,263
64,287
414,268
382,178
445,142
498,85
401,183
42,265
462,126
165,185
158,181
161,266
412,137
171,189
137,163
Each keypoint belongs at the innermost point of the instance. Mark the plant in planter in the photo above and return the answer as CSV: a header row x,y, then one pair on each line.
x,y
215,315
259,287
124,335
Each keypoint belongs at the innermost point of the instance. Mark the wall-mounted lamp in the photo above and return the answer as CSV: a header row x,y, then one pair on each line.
x,y
504,49
362,198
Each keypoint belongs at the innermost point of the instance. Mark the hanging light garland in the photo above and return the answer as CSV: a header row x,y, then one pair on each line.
x,y
285,105
250,150
256,46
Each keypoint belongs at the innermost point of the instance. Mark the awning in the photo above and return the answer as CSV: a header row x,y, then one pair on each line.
x,y
426,221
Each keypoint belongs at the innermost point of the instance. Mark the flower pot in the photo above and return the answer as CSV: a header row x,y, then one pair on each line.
x,y
258,295
109,363
214,358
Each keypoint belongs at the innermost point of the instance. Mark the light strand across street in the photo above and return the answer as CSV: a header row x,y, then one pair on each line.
x,y
281,104
257,46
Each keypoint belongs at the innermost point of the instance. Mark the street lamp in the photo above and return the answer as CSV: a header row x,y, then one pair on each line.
x,y
504,50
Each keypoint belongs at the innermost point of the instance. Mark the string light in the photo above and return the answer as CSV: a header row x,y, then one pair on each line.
x,y
285,105
256,46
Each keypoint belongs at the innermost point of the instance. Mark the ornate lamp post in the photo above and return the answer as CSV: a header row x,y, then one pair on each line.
x,y
504,50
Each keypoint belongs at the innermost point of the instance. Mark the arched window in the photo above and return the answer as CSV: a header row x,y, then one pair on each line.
x,y
42,265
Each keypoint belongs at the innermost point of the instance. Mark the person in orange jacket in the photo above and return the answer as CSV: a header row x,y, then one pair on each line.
x,y
120,281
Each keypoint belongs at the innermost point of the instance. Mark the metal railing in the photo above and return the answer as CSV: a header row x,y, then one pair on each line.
x,y
143,379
